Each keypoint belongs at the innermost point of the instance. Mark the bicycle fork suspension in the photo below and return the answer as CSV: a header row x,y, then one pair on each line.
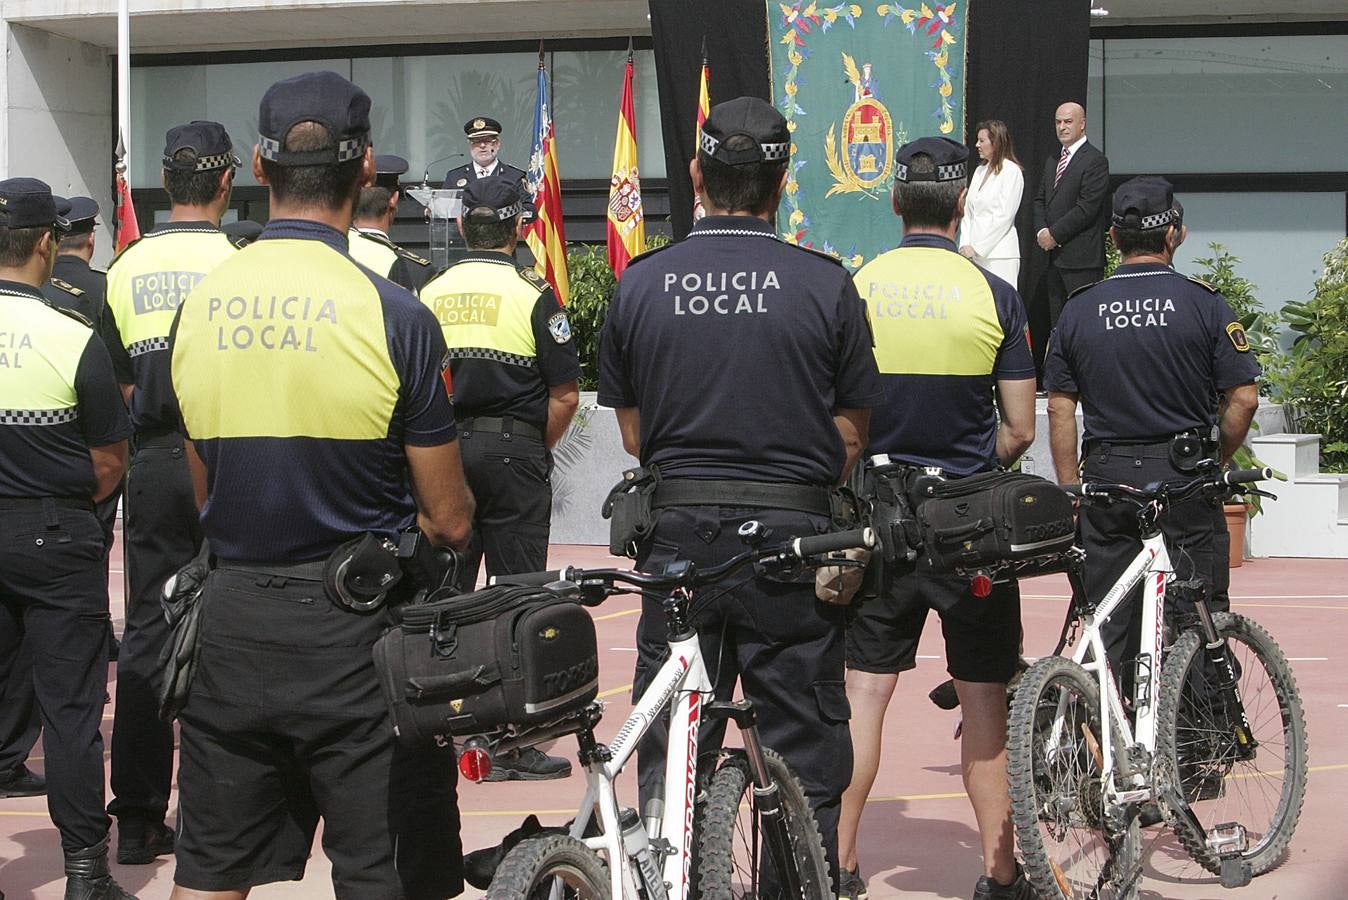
x,y
1219,659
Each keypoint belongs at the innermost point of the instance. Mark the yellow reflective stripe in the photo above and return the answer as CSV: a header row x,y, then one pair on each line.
x,y
40,351
378,258
150,279
286,339
932,311
485,305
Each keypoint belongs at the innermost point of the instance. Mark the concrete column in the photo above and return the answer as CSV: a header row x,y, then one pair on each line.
x,y
57,122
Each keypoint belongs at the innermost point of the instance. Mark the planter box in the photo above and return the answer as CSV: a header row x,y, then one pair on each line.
x,y
589,460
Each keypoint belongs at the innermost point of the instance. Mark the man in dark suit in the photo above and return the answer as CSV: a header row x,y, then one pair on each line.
x,y
484,144
1069,210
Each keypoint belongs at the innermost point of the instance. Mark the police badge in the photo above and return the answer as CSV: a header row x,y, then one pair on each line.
x,y
559,326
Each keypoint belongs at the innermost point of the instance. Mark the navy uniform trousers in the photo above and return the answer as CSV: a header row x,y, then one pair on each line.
x,y
510,477
54,616
1195,534
784,647
162,534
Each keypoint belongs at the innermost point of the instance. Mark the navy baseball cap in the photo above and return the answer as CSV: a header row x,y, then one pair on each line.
x,y
83,215
323,97
208,142
753,118
1146,202
950,157
387,168
500,195
28,203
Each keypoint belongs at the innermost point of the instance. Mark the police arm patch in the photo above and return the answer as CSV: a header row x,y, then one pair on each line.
x,y
559,326
1236,332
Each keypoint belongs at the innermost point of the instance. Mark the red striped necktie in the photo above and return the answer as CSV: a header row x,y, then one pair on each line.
x,y
1062,165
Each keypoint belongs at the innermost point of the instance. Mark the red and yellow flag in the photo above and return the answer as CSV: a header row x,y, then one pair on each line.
x,y
703,110
128,229
546,233
626,224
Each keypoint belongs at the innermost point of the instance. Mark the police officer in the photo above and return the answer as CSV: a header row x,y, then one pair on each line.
x,y
484,145
949,337
146,284
62,446
369,235
740,368
312,420
1165,377
515,370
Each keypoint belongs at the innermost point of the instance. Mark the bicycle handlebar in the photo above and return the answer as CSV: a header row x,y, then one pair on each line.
x,y
1170,490
795,550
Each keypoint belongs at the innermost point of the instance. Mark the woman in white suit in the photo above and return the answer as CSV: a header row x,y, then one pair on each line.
x,y
988,235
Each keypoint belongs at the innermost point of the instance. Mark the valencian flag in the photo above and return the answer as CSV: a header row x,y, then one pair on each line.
x,y
855,83
626,225
703,108
546,234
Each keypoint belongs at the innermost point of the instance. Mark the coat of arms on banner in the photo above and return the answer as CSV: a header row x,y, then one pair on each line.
x,y
854,88
625,198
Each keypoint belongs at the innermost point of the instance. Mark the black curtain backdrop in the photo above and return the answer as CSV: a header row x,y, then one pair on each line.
x,y
736,32
1025,58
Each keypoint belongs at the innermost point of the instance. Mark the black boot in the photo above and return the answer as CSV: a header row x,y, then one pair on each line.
x,y
87,876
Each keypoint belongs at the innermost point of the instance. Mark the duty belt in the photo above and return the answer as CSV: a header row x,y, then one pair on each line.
x,y
1147,449
758,495
16,504
309,571
159,438
504,426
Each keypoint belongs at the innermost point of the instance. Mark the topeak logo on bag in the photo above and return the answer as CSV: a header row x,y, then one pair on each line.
x,y
572,677
549,634
456,705
1048,530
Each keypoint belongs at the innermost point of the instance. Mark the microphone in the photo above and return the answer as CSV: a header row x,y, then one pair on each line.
x,y
426,173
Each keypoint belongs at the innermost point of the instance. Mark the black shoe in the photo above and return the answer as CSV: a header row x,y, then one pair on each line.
x,y
851,886
528,765
23,783
989,888
139,841
480,865
87,876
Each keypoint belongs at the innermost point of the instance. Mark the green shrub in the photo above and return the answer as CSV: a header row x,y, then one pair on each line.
x,y
592,286
1262,328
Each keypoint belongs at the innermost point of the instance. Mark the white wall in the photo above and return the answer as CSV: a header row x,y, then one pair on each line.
x,y
57,122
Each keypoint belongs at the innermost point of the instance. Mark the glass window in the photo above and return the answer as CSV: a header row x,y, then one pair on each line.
x,y
586,90
1239,104
1279,238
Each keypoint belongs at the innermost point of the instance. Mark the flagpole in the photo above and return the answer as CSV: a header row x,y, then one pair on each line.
x,y
123,83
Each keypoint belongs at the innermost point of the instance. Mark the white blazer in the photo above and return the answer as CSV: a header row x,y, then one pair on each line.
x,y
990,212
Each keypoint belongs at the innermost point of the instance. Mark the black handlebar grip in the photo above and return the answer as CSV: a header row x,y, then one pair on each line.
x,y
531,579
1247,476
834,541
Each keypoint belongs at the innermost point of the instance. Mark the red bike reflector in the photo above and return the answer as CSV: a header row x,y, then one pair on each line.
x,y
980,586
475,763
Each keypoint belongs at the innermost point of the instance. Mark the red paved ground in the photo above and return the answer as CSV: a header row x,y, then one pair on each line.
x,y
918,836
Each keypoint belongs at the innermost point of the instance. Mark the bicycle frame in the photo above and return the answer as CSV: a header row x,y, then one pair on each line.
x,y
684,678
1151,568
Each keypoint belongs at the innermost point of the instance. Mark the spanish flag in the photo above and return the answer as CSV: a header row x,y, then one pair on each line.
x,y
703,110
626,226
546,233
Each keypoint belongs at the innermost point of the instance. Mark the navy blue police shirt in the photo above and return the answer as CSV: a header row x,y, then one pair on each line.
x,y
737,348
1148,350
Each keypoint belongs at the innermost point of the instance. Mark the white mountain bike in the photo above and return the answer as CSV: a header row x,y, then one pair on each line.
x,y
1216,737
733,825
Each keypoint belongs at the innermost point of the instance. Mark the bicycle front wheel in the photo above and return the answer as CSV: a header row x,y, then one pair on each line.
x,y
1257,780
733,861
534,867
1073,847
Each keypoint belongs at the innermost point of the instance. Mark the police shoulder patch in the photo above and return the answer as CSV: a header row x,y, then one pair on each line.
x,y
1236,332
559,326
820,253
1084,287
530,274
412,257
67,287
1201,283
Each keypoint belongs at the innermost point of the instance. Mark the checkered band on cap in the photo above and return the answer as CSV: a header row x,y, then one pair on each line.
x,y
347,150
771,152
509,212
1156,220
951,172
216,161
38,416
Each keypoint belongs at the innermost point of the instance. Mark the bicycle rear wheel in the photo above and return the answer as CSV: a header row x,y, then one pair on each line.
x,y
1073,848
1200,752
535,866
732,857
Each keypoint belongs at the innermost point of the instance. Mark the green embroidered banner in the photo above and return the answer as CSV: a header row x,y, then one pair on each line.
x,y
855,83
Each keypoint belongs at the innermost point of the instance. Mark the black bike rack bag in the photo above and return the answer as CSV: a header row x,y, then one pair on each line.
x,y
476,663
993,518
